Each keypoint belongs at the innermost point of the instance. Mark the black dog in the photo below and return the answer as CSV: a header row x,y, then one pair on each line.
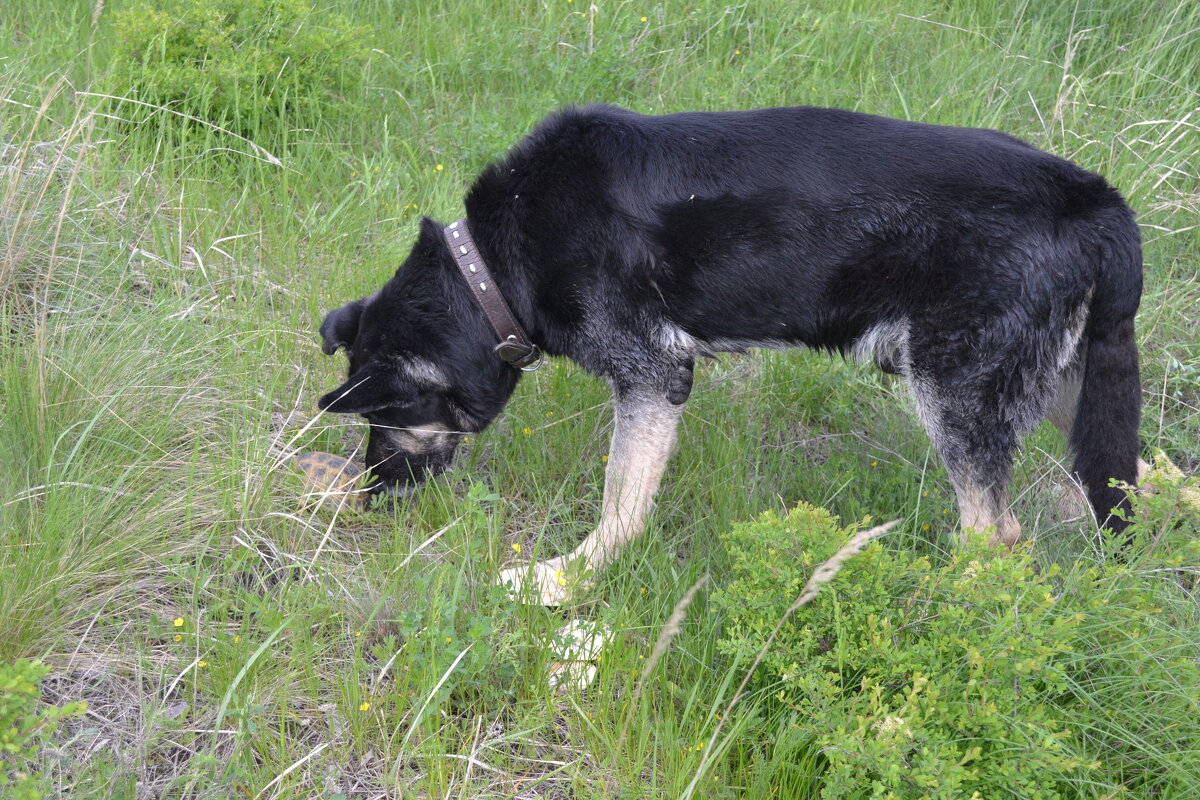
x,y
1000,281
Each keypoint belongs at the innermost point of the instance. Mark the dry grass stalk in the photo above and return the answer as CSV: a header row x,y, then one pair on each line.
x,y
665,637
671,629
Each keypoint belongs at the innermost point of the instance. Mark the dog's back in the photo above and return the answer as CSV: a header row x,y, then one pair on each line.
x,y
842,219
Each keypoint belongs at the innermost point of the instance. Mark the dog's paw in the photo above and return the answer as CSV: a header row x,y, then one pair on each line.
x,y
548,583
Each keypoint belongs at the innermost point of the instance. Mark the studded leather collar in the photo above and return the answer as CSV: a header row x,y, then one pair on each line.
x,y
514,347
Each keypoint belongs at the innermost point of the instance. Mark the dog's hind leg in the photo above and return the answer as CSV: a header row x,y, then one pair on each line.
x,y
985,506
644,435
1066,402
976,447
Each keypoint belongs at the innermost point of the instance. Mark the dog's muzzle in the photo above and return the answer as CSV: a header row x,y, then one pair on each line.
x,y
403,459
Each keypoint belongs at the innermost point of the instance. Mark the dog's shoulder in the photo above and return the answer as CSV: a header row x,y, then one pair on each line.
x,y
572,140
560,177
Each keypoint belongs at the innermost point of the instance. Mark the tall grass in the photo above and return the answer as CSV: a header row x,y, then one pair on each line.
x,y
159,295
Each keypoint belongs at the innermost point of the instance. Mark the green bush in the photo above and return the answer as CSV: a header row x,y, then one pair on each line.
x,y
1166,520
982,677
23,727
247,65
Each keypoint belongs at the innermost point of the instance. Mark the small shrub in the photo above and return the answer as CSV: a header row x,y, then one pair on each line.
x,y
23,727
1166,520
980,677
240,64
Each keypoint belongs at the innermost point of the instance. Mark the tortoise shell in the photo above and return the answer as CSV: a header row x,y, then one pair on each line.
x,y
327,474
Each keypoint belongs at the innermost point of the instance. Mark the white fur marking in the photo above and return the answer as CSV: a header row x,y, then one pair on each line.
x,y
884,342
1073,334
426,373
420,439
676,340
742,345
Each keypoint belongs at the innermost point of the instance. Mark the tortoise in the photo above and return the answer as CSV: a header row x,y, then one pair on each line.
x,y
327,476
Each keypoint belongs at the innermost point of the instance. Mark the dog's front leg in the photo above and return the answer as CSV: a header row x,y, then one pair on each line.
x,y
642,441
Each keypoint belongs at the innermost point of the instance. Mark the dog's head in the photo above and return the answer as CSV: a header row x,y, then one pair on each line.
x,y
421,367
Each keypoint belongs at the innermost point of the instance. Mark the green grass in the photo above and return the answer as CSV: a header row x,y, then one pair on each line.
x,y
159,297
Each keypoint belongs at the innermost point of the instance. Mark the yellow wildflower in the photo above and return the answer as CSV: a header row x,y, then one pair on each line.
x,y
178,638
516,546
202,663
364,706
179,622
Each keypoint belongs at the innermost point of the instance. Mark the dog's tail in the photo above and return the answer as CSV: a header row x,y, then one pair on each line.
x,y
1104,436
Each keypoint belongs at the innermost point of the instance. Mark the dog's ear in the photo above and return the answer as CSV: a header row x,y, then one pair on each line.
x,y
371,388
340,326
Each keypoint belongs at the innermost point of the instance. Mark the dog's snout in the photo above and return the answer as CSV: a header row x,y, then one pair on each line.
x,y
404,457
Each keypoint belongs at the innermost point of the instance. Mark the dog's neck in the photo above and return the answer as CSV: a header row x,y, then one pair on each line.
x,y
514,347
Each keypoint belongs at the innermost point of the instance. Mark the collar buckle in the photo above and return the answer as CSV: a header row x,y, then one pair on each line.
x,y
525,357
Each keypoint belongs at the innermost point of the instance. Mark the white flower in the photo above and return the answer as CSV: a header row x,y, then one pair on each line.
x,y
891,725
